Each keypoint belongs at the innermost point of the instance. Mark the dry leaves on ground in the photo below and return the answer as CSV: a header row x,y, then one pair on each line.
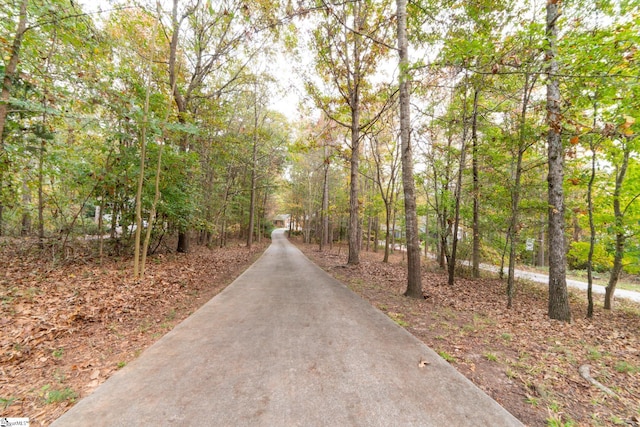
x,y
67,327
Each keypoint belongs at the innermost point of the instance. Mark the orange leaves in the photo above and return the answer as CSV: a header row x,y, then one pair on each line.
x,y
626,126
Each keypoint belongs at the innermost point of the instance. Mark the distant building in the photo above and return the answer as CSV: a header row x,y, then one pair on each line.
x,y
282,221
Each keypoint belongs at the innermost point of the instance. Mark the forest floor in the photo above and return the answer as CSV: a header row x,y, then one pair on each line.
x,y
526,362
68,326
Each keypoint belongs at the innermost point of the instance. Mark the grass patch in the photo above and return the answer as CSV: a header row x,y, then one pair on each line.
x,y
533,401
57,395
468,328
398,318
491,357
625,367
5,402
446,356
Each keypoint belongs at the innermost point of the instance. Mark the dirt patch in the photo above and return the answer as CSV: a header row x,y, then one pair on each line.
x,y
67,328
523,360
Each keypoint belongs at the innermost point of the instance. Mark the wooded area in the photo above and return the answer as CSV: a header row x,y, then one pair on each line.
x,y
137,123
500,132
505,96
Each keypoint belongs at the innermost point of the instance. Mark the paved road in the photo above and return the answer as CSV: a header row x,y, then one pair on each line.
x,y
287,345
543,278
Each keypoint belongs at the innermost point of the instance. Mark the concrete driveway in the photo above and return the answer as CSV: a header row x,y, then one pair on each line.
x,y
287,345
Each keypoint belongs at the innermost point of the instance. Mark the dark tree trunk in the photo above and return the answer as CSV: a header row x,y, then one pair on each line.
x,y
354,208
475,257
414,280
558,296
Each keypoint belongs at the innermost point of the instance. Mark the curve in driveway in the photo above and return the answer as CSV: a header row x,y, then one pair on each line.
x,y
287,345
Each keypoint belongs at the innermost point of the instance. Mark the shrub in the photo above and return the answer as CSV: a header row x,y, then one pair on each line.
x,y
579,253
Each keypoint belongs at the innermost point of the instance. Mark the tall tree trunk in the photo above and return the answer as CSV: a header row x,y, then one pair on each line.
x,y
181,104
426,235
376,232
9,74
619,227
50,54
139,261
152,212
100,225
41,194
324,238
354,208
458,191
475,256
354,101
514,228
592,231
558,296
254,159
26,206
414,280
387,235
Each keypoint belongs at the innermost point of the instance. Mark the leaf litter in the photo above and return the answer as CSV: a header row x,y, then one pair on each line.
x,y
65,328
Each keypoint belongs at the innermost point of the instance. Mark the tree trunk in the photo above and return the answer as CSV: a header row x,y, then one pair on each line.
x,y
354,208
619,227
324,238
26,206
414,280
376,231
514,228
9,73
181,104
558,296
426,235
40,194
368,245
387,236
252,202
475,256
592,232
354,105
458,192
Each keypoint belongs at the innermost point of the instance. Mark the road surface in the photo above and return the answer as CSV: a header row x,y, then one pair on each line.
x,y
287,345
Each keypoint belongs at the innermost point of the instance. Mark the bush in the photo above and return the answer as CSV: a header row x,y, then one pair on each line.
x,y
579,253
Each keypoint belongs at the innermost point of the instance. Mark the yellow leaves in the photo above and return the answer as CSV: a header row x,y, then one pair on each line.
x,y
626,126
